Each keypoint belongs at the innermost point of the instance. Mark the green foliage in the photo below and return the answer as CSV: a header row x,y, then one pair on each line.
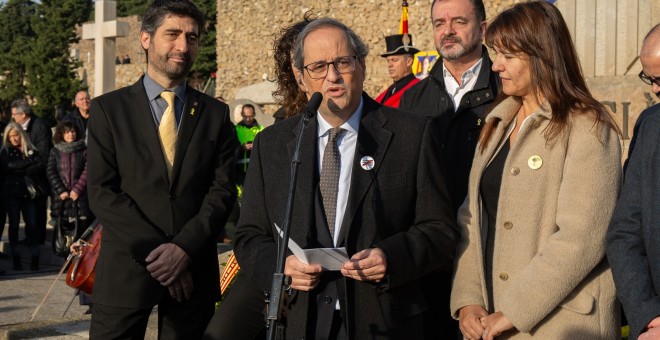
x,y
206,55
36,62
51,74
131,7
15,44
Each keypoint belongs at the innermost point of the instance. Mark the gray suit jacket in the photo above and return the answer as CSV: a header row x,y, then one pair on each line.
x,y
633,240
401,206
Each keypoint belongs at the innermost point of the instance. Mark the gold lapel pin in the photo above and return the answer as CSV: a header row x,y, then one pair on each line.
x,y
192,111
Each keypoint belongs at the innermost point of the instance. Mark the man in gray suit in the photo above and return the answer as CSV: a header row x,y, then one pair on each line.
x,y
634,234
370,180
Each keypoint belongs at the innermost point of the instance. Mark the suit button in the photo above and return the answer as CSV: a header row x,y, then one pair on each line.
x,y
508,225
515,171
326,299
504,276
172,197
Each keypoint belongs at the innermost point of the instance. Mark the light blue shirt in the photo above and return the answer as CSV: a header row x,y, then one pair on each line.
x,y
346,142
158,104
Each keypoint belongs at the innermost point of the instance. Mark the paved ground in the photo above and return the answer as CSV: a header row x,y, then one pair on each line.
x,y
21,292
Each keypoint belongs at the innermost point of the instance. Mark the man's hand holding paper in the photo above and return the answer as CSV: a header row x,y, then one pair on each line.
x,y
304,277
366,265
327,258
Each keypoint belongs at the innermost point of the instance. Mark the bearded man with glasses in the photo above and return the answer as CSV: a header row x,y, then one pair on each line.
x,y
369,180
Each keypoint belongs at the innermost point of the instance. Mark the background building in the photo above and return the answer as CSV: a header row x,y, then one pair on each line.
x,y
607,34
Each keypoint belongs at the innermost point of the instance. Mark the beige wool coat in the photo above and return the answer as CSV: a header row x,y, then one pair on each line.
x,y
550,276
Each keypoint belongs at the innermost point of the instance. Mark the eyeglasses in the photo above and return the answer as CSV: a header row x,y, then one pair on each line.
x,y
319,69
648,80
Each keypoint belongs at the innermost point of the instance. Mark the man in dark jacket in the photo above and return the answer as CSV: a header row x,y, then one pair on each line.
x,y
42,138
633,235
80,114
400,56
364,183
455,96
161,181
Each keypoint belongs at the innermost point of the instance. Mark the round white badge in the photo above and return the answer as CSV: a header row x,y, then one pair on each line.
x,y
535,162
367,163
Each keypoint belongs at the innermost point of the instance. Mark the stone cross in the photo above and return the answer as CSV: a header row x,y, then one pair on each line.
x,y
103,31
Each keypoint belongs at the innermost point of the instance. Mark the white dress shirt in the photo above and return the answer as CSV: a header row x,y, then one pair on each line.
x,y
346,142
468,80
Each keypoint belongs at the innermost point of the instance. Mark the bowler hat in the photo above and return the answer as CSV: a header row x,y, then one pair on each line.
x,y
399,44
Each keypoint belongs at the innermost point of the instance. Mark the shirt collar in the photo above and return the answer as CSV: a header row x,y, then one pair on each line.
x,y
473,71
26,124
154,89
352,124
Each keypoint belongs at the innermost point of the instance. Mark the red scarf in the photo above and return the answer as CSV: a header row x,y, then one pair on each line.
x,y
395,99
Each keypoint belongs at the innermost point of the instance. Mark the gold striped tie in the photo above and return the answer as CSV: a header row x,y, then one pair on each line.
x,y
167,130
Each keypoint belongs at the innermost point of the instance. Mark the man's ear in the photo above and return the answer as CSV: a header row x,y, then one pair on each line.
x,y
409,61
299,79
145,40
482,28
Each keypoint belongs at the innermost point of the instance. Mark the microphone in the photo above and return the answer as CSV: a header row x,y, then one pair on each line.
x,y
274,299
313,105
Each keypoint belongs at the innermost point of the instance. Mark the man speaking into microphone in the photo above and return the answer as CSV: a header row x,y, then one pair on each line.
x,y
369,180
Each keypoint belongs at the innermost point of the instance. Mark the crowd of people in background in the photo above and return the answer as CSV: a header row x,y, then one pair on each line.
x,y
482,201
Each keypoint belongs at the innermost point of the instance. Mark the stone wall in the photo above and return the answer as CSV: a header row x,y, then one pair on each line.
x,y
246,31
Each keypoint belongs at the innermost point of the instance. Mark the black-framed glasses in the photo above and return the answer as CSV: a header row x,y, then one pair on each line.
x,y
319,69
648,80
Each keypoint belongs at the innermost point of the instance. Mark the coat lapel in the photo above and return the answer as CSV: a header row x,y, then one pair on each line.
x,y
192,110
144,118
372,141
306,174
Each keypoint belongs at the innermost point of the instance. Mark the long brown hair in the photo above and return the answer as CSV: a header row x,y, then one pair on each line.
x,y
537,30
287,94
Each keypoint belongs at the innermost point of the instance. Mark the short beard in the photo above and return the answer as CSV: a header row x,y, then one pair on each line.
x,y
463,51
161,65
175,72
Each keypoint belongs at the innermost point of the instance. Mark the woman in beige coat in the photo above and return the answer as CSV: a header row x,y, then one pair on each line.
x,y
542,189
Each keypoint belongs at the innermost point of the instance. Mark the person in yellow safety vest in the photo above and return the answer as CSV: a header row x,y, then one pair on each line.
x,y
246,130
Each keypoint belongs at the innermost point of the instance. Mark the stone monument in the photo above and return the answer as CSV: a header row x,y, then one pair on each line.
x,y
104,31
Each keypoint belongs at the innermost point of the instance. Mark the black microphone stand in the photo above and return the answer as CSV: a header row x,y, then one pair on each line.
x,y
279,279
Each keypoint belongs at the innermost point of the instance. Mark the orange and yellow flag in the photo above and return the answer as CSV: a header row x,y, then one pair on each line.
x,y
403,25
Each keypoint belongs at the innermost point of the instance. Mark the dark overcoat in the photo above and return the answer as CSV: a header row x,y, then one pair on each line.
x,y
634,233
400,206
141,208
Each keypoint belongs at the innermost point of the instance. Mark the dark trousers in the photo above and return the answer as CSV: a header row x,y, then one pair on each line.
x,y
3,217
175,321
240,315
15,206
437,318
41,216
338,329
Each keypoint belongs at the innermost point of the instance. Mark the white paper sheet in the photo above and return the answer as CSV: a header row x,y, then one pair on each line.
x,y
329,258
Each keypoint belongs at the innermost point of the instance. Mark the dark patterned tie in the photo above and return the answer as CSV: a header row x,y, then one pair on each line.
x,y
329,183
